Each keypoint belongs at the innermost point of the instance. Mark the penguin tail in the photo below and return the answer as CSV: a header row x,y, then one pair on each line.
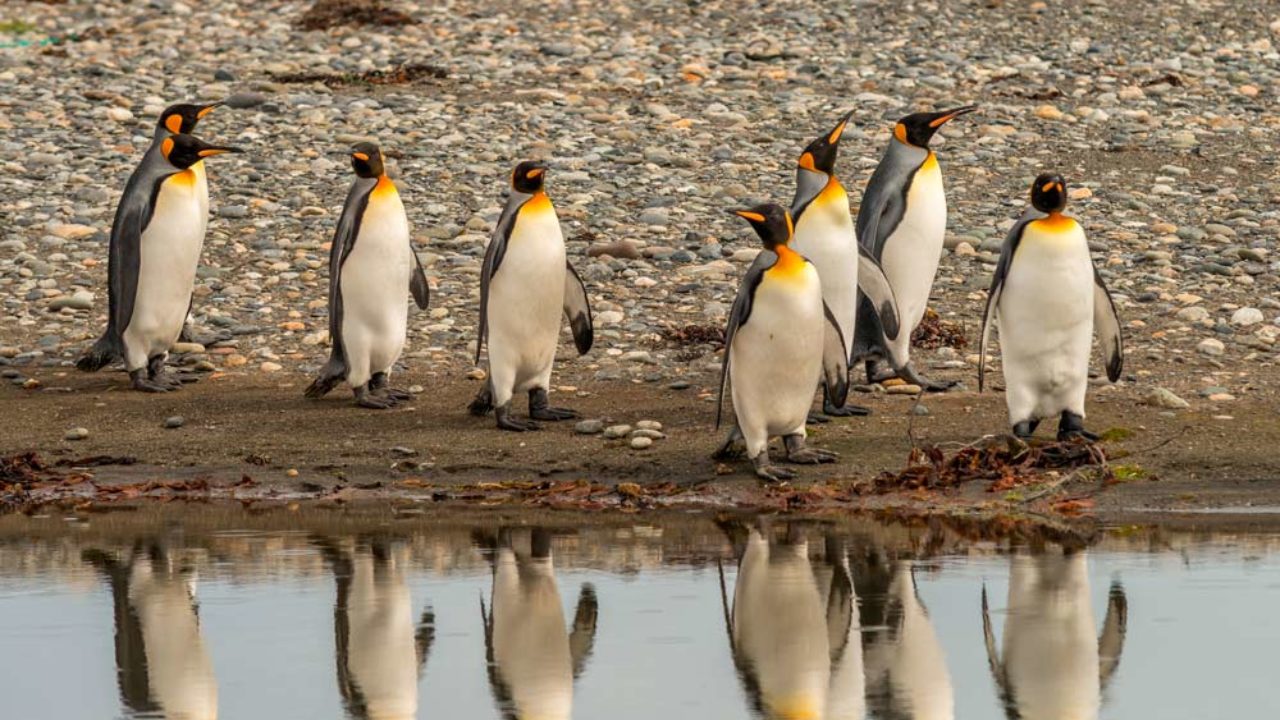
x,y
101,354
333,373
483,404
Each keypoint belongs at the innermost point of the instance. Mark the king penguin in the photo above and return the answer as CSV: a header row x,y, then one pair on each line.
x,y
780,340
825,235
902,222
526,283
156,239
371,263
1048,299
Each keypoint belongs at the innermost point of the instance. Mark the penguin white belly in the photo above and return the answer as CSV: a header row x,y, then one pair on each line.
x,y
530,638
374,286
1051,652
381,652
780,629
169,253
1045,319
776,358
825,235
910,255
526,302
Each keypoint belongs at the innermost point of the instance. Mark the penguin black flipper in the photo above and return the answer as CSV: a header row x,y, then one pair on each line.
x,y
133,214
1106,322
884,203
835,361
739,315
493,260
873,284
1007,251
344,240
578,310
418,286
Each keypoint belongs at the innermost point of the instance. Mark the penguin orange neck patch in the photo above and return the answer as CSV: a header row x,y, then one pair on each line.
x,y
1056,223
184,179
833,192
930,162
384,187
789,265
539,203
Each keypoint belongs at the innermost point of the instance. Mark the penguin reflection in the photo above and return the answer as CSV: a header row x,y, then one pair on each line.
x,y
793,629
906,670
162,665
380,654
1054,666
533,659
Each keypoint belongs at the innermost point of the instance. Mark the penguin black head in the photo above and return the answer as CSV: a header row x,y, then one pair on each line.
x,y
184,117
366,160
182,150
771,221
1049,193
528,176
918,128
820,155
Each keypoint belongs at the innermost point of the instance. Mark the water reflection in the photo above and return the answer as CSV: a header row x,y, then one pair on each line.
x,y
1054,664
380,654
906,671
162,665
793,631
533,659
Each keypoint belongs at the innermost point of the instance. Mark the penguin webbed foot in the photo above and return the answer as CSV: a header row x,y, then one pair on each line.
x,y
142,383
798,454
373,401
849,410
1071,426
378,385
509,423
540,408
157,374
733,447
879,372
769,472
483,402
816,419
1025,429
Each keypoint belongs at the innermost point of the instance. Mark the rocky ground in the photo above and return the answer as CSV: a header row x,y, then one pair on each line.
x,y
654,119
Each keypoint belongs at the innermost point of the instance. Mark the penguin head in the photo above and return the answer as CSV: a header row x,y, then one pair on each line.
x,y
1049,193
820,155
366,160
182,150
771,221
528,177
918,128
182,118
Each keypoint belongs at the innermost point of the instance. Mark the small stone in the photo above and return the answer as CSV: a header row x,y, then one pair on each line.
x,y
1222,397
1193,314
919,410
270,367
119,114
186,348
640,443
82,300
1048,112
614,432
622,249
1211,346
77,434
174,422
651,434
1163,398
589,427
649,425
903,389
1246,316
403,451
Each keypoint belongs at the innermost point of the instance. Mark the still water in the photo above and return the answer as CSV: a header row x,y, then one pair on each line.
x,y
184,616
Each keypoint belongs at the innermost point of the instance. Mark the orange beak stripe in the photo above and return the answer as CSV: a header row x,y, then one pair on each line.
x,y
791,227
835,134
752,216
943,120
205,111
210,152
1047,187
534,173
360,156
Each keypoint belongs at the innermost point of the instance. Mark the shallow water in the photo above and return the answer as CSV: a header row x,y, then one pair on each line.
x,y
635,620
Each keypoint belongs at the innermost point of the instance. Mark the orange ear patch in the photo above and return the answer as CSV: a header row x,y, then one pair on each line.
x,y
806,162
166,147
173,123
900,132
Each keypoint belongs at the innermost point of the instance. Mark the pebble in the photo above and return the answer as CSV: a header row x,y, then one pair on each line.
x,y
1211,346
614,432
904,389
1246,316
1166,399
76,434
649,425
174,422
589,427
640,443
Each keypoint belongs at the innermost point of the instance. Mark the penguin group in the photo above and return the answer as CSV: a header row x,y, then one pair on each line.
x,y
828,291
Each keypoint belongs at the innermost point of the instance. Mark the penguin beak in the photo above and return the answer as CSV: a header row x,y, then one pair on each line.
x,y
835,134
949,115
749,215
206,109
218,150
360,156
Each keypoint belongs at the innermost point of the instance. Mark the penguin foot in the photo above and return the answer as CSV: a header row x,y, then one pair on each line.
x,y
1071,426
189,335
482,403
367,399
540,408
772,473
378,384
814,418
798,454
1025,429
733,447
142,383
507,422
160,377
846,411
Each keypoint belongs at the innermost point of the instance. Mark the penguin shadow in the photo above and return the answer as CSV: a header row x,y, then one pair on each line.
x,y
905,667
163,667
792,625
1055,663
532,658
380,653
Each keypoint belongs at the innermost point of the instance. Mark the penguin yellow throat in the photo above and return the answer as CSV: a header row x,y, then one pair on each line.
x,y
930,163
185,178
790,264
833,192
1055,223
538,203
385,188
